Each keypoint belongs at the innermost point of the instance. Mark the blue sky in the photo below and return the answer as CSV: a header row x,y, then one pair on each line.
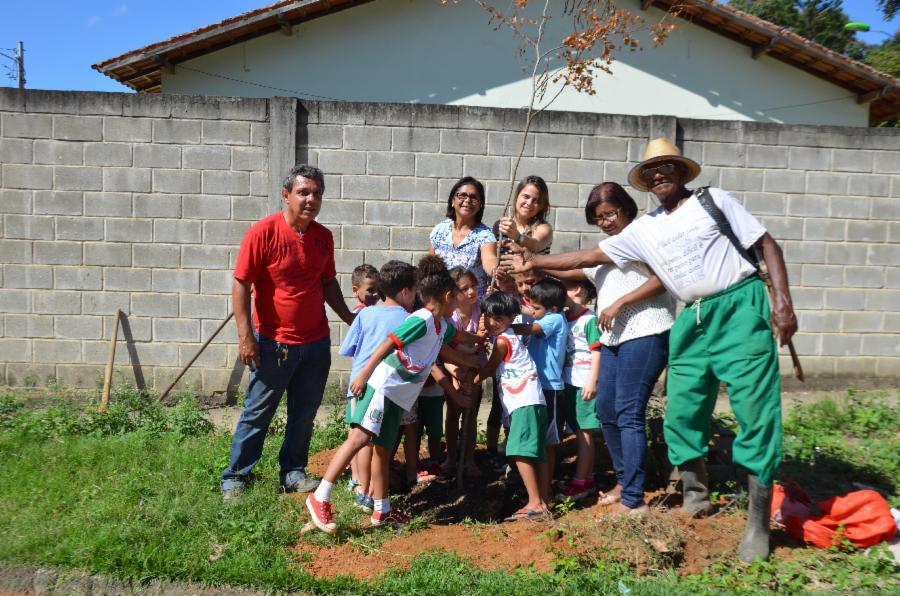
x,y
63,38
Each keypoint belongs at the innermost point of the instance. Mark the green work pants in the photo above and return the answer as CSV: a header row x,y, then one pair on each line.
x,y
727,337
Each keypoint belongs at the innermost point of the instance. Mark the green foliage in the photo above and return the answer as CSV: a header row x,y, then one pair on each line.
x,y
822,21
129,411
832,571
441,573
565,506
886,60
334,431
135,493
889,8
142,505
886,57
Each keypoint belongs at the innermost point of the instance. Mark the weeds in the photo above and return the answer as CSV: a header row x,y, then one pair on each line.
x,y
134,493
838,441
834,571
129,411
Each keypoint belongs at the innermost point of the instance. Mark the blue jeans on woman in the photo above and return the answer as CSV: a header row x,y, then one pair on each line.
x,y
627,375
302,371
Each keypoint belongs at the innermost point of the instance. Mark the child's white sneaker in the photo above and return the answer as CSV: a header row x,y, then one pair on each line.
x,y
364,502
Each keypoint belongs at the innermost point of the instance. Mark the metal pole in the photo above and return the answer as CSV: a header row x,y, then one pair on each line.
x,y
197,355
20,62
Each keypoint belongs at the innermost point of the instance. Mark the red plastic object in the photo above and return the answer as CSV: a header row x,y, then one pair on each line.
x,y
863,517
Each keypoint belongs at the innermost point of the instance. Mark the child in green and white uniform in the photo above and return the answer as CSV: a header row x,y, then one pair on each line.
x,y
522,399
580,372
388,385
397,288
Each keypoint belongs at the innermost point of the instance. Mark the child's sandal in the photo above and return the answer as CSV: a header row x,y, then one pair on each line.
x,y
525,513
425,476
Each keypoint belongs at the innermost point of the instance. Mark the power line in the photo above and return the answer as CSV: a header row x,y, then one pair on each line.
x,y
255,84
19,59
786,107
313,96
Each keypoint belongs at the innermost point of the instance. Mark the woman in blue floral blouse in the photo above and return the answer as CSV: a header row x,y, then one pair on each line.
x,y
461,239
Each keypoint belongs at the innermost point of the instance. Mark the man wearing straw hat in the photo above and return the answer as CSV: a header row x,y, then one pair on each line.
x,y
725,333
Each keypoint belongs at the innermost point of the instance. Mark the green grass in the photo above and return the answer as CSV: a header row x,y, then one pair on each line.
x,y
838,441
134,493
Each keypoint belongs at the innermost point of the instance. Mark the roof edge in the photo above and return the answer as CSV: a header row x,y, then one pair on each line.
x,y
789,36
140,69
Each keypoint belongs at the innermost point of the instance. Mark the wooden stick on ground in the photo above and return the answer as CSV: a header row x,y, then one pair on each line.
x,y
764,274
464,442
197,355
110,358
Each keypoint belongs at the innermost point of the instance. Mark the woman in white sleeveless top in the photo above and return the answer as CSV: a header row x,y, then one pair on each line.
x,y
635,314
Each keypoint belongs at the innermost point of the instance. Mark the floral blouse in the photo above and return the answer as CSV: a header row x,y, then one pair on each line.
x,y
467,254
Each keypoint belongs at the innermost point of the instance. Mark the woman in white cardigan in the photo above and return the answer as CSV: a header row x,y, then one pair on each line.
x,y
635,315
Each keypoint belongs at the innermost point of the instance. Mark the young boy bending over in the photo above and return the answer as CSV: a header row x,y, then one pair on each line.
x,y
397,286
388,385
522,399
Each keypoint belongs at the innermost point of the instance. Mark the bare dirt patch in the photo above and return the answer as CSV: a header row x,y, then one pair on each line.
x,y
469,524
661,540
497,546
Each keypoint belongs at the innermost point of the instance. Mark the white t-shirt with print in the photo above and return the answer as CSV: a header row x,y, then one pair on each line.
x,y
584,338
685,248
519,382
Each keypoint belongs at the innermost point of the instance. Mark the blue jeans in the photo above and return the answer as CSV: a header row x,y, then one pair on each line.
x,y
302,370
627,375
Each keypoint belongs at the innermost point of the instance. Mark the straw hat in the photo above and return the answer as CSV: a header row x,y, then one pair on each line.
x,y
660,150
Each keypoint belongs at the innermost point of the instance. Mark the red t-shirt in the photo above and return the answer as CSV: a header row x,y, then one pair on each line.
x,y
287,270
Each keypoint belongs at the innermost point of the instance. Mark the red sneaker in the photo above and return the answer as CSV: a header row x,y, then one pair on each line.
x,y
394,518
322,514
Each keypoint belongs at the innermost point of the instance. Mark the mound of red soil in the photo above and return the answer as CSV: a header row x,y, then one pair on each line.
x,y
686,545
513,545
504,546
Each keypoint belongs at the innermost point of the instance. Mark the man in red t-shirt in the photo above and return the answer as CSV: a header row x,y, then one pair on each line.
x,y
287,259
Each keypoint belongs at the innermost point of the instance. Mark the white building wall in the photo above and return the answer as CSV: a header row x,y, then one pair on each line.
x,y
423,52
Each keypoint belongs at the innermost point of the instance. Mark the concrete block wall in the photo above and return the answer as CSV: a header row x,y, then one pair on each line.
x,y
139,202
131,202
829,195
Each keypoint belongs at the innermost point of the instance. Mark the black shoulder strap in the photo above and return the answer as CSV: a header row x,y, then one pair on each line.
x,y
706,201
